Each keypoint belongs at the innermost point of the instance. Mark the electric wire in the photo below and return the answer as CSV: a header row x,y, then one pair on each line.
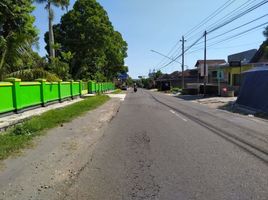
x,y
211,16
236,28
229,19
227,16
231,37
238,16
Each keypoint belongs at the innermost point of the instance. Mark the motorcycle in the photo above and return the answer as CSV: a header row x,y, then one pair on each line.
x,y
135,89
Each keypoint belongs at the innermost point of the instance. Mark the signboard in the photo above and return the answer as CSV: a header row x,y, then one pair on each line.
x,y
123,76
203,72
220,74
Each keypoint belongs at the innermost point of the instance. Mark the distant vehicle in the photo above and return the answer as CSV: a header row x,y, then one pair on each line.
x,y
124,87
135,87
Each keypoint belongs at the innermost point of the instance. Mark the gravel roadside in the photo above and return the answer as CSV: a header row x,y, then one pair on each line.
x,y
57,158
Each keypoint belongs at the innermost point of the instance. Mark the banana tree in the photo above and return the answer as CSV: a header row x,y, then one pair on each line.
x,y
49,3
17,32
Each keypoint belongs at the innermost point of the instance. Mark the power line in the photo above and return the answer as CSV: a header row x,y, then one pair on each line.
x,y
238,16
215,13
228,16
234,12
231,37
241,33
224,23
177,57
239,27
169,53
233,29
229,20
165,56
211,16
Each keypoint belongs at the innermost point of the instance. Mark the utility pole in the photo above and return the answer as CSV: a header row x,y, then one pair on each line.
x,y
205,63
182,63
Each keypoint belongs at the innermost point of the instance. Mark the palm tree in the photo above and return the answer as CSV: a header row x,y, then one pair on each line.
x,y
48,7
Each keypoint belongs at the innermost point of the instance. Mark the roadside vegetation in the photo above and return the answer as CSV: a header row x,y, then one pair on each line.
x,y
80,47
20,136
175,89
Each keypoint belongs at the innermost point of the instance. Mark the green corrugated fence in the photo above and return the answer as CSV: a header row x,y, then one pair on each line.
x,y
16,95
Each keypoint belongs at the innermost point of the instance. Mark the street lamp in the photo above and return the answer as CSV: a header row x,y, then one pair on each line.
x,y
174,60
166,56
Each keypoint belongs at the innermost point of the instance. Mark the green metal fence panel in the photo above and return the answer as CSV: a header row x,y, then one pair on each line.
x,y
101,87
16,95
51,92
91,87
105,87
76,89
65,90
97,87
6,97
30,94
85,86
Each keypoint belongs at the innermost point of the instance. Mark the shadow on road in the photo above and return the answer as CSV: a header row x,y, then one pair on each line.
x,y
189,97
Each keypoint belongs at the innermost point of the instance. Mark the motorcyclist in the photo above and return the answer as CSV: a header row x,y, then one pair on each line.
x,y
135,87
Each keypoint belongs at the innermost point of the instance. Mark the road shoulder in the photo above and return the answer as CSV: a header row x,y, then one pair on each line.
x,y
42,172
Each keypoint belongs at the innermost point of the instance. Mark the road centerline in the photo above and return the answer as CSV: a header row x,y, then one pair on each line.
x,y
178,115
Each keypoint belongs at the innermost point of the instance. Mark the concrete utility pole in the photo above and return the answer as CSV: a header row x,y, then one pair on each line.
x,y
182,63
205,63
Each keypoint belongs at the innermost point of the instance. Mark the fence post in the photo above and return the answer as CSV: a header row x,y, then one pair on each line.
x,y
88,87
59,90
95,87
72,86
80,87
42,90
15,93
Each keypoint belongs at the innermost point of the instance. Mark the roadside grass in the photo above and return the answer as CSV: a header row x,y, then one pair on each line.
x,y
176,90
20,136
117,91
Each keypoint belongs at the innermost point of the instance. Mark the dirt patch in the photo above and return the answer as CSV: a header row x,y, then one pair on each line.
x,y
217,102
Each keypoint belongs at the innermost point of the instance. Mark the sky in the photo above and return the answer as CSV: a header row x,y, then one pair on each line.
x,y
160,24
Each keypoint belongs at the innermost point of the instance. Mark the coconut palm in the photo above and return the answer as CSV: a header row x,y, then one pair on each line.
x,y
58,3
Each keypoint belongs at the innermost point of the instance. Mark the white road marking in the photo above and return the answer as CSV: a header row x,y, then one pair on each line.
x,y
175,113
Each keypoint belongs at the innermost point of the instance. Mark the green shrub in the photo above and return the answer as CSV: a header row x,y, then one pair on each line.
x,y
175,89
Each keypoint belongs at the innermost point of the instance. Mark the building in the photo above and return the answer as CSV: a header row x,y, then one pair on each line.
x,y
174,80
245,57
209,63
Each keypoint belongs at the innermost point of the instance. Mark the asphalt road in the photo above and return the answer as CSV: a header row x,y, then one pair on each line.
x,y
161,147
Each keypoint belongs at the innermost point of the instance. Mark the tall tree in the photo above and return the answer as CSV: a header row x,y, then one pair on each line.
x,y
88,34
17,33
48,7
